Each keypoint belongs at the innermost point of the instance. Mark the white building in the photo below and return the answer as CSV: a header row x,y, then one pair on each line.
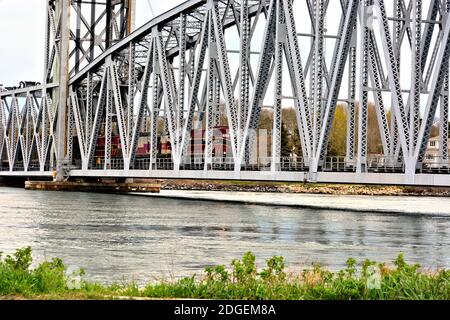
x,y
432,154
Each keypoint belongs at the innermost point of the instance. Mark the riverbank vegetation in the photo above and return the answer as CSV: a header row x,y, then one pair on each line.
x,y
367,280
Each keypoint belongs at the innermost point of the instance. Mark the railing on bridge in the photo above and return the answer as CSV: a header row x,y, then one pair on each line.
x,y
384,164
435,165
375,164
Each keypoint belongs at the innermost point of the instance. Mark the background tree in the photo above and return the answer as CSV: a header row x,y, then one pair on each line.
x,y
290,123
374,145
286,143
338,134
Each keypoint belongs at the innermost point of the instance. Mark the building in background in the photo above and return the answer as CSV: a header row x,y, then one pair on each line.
x,y
433,155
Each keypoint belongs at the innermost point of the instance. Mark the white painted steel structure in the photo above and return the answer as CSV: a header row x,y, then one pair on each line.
x,y
208,60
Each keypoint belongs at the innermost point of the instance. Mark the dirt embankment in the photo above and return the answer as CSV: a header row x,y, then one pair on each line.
x,y
288,187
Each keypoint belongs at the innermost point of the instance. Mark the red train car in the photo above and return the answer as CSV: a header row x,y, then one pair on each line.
x,y
221,145
220,139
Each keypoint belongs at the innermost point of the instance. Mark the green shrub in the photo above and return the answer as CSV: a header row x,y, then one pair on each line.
x,y
367,280
16,277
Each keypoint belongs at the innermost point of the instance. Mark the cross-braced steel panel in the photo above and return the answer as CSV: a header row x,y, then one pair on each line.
x,y
186,93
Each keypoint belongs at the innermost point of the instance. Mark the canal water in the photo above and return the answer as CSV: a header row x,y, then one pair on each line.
x,y
122,237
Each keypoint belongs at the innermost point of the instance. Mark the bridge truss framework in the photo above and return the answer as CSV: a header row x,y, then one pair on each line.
x,y
208,63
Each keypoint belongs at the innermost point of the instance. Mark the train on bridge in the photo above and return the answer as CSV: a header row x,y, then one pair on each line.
x,y
221,147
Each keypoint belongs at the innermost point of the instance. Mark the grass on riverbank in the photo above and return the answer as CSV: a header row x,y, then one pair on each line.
x,y
368,280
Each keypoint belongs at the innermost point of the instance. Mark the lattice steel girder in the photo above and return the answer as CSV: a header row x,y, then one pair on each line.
x,y
149,65
441,70
225,77
336,78
195,12
95,26
195,84
416,75
280,35
393,76
99,110
379,103
265,69
190,59
365,16
26,128
298,80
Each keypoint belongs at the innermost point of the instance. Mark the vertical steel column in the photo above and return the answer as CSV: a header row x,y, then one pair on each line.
x,y
78,45
416,82
50,70
108,120
209,110
154,110
92,34
216,99
69,134
278,88
63,87
192,64
365,23
244,70
89,105
28,131
131,18
396,47
444,110
131,92
12,133
351,112
49,49
47,46
317,70
443,123
182,78
109,17
42,131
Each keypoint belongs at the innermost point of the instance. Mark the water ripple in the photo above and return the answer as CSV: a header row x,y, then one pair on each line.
x,y
116,237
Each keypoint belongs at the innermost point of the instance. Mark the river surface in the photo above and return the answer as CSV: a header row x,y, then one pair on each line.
x,y
122,237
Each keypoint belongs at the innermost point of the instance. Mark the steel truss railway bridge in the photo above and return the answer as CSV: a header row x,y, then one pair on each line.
x,y
207,63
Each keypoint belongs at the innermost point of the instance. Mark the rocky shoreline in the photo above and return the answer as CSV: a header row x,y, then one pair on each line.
x,y
308,188
281,187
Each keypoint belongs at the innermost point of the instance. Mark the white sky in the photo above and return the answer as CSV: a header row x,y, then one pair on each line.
x,y
22,34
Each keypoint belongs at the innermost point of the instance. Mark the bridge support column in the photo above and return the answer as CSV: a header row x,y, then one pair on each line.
x,y
126,164
410,170
84,164
63,87
313,169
